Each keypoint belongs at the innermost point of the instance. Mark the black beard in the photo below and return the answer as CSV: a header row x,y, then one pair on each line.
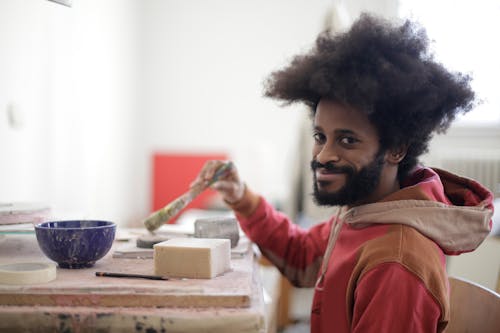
x,y
359,185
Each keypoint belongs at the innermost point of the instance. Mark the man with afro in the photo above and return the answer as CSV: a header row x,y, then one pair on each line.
x,y
378,264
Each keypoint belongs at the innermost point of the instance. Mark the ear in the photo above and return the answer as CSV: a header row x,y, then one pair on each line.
x,y
397,154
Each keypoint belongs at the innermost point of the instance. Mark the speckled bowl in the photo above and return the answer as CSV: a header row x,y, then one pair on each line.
x,y
75,244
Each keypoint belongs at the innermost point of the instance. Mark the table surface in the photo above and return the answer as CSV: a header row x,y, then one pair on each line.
x,y
79,300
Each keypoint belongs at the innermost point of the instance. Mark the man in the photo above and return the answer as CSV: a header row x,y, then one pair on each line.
x,y
378,265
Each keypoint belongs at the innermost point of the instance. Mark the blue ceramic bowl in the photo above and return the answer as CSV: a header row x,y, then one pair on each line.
x,y
75,244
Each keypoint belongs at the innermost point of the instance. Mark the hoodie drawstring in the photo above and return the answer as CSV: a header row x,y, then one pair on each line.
x,y
332,239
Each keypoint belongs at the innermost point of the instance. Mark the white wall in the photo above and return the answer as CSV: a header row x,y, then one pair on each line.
x,y
70,74
23,87
203,65
103,84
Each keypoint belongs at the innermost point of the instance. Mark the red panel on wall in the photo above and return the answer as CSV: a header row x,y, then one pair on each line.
x,y
172,175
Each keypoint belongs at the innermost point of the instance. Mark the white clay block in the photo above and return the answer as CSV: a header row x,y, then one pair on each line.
x,y
192,257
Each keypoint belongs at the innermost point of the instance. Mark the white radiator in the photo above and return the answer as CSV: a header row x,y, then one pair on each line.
x,y
483,165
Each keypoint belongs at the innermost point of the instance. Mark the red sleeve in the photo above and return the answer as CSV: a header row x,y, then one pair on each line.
x,y
389,299
295,251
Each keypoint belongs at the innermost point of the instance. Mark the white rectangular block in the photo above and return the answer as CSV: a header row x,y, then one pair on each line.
x,y
192,257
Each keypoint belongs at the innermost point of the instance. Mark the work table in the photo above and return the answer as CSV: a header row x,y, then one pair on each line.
x,y
79,301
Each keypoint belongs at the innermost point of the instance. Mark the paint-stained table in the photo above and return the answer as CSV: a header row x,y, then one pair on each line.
x,y
79,301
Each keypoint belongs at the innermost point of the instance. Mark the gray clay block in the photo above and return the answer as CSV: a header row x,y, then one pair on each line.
x,y
218,227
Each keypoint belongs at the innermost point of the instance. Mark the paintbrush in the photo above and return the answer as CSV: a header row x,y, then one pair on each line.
x,y
158,218
128,275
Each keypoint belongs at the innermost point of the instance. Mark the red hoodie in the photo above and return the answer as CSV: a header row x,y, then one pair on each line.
x,y
386,268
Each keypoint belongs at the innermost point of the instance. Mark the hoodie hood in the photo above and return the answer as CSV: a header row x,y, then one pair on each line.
x,y
453,211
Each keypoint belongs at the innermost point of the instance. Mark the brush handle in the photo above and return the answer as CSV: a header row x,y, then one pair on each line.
x,y
129,275
157,219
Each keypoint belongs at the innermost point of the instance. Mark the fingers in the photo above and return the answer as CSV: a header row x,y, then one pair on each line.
x,y
223,186
228,184
208,171
231,191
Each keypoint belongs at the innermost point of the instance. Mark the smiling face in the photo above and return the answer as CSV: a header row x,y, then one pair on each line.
x,y
348,165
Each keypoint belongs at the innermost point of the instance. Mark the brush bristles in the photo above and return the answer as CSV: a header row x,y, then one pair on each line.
x,y
157,219
154,221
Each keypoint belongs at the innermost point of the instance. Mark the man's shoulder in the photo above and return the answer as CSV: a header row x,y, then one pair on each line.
x,y
401,244
404,246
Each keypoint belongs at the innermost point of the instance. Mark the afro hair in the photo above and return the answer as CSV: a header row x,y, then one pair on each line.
x,y
386,71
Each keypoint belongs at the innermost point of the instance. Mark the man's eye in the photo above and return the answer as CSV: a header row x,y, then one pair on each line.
x,y
347,140
319,137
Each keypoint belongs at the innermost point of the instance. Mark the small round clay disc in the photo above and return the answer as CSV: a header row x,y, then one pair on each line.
x,y
27,273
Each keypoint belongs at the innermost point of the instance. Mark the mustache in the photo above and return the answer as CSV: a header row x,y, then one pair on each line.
x,y
330,167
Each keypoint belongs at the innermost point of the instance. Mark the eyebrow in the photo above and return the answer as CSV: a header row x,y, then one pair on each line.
x,y
345,131
337,131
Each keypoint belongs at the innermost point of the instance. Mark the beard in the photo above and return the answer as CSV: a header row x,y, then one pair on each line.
x,y
359,184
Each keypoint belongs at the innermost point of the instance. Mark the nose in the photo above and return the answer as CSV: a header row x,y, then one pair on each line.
x,y
326,153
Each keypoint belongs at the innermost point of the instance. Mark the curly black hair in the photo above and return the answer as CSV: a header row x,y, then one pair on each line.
x,y
388,72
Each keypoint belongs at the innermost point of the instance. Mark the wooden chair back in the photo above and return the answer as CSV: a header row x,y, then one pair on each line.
x,y
474,308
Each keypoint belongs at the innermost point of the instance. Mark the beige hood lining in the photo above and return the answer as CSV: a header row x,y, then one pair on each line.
x,y
453,228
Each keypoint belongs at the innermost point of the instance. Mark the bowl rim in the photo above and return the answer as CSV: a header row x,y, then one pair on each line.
x,y
44,225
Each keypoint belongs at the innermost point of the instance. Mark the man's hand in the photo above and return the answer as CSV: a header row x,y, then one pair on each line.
x,y
228,185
